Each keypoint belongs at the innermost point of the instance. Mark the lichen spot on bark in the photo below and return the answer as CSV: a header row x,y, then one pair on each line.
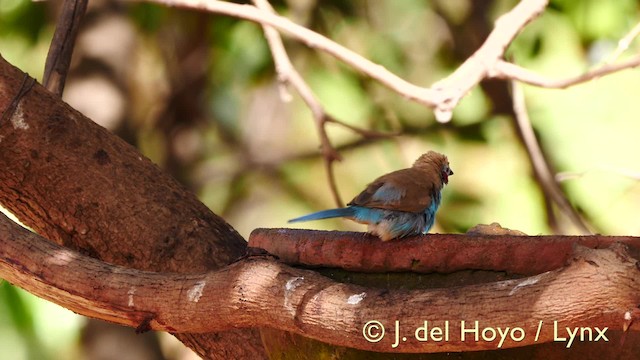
x,y
195,292
18,121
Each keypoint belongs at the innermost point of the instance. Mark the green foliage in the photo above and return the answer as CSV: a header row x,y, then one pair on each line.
x,y
148,17
32,329
13,14
22,25
594,19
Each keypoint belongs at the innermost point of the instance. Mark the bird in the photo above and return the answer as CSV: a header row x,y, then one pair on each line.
x,y
399,204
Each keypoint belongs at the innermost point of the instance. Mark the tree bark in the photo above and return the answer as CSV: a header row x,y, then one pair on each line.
x,y
80,186
442,253
596,290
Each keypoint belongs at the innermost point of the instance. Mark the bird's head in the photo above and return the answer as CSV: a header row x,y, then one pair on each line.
x,y
445,173
433,161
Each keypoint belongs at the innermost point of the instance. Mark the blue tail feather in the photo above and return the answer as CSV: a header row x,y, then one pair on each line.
x,y
326,214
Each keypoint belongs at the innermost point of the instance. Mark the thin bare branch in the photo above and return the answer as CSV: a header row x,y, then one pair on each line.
x,y
443,96
479,65
571,175
61,49
314,40
365,133
507,70
287,74
624,43
539,162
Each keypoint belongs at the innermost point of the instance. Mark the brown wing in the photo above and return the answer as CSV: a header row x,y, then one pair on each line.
x,y
403,190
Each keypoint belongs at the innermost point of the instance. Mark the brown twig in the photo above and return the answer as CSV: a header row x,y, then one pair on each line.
x,y
61,49
538,161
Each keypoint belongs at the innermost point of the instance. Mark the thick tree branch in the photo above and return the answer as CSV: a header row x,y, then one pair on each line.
x,y
80,186
596,289
74,182
442,253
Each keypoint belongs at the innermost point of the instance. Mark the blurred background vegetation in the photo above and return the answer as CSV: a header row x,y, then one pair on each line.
x,y
198,94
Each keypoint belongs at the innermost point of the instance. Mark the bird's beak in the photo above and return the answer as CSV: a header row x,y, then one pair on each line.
x,y
450,172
